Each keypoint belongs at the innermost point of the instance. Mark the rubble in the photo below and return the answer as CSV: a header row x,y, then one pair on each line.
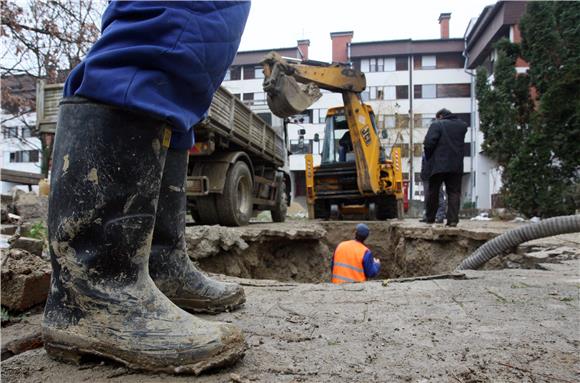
x,y
32,245
22,336
25,279
30,206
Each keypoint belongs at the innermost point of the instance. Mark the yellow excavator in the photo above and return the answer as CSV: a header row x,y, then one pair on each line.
x,y
354,178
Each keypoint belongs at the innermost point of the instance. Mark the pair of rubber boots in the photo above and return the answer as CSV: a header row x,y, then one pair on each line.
x,y
120,268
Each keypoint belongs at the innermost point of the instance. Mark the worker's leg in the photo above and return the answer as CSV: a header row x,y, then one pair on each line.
x,y
425,197
433,197
441,211
106,177
453,187
169,264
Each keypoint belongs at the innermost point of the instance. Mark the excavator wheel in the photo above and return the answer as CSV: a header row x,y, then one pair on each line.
x,y
334,212
372,211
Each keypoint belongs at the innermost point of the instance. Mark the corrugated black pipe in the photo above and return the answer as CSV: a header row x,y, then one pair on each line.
x,y
512,238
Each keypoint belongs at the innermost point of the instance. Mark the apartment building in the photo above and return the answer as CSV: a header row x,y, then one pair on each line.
x,y
20,151
408,81
497,21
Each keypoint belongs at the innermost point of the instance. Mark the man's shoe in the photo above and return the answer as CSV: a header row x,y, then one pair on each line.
x,y
169,264
451,224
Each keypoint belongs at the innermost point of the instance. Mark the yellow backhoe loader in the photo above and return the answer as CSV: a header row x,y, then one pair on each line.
x,y
354,177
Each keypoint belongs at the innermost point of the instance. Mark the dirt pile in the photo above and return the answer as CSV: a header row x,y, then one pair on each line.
x,y
285,252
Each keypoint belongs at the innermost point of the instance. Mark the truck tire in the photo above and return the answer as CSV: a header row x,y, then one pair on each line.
x,y
235,204
387,207
279,211
206,211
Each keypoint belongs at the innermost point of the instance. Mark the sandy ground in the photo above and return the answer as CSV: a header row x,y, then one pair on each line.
x,y
506,325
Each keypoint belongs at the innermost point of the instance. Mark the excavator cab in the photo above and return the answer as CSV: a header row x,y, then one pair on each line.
x,y
337,145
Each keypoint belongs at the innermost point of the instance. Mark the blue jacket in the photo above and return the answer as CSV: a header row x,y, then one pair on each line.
x,y
164,58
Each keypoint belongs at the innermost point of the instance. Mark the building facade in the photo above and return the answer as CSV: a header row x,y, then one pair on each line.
x,y
495,22
408,81
20,150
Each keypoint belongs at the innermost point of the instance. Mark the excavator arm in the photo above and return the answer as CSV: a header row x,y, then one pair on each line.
x,y
292,86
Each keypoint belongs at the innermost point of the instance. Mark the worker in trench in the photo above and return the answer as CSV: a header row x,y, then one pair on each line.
x,y
352,260
121,275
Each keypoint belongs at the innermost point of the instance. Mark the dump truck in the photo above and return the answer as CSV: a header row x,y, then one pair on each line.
x,y
238,165
355,177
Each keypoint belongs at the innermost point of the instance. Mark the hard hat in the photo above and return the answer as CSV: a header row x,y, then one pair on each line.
x,y
362,230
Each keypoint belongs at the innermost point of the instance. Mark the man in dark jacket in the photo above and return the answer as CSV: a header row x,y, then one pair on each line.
x,y
444,154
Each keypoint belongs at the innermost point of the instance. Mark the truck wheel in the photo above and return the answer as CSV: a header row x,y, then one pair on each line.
x,y
206,211
279,211
387,207
235,205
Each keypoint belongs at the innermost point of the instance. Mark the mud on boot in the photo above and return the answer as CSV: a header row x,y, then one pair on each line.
x,y
106,178
169,265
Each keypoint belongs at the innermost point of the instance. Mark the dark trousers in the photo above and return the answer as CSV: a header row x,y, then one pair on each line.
x,y
453,187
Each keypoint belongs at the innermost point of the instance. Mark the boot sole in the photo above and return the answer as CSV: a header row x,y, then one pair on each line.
x,y
72,354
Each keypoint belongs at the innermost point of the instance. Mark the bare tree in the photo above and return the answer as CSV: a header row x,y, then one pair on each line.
x,y
42,40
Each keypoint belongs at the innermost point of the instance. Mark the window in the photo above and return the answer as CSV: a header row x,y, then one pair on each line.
x,y
406,176
301,146
450,60
259,98
266,117
404,151
428,62
418,178
401,121
227,77
258,72
453,90
24,156
237,95
303,118
417,150
26,132
425,91
465,117
390,64
402,92
248,72
10,132
322,116
402,63
235,73
423,120
377,64
467,149
248,98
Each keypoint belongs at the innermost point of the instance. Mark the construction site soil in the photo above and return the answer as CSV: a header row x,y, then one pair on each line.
x,y
516,320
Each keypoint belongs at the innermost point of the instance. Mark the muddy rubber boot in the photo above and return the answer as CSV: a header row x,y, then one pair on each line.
x,y
169,265
106,176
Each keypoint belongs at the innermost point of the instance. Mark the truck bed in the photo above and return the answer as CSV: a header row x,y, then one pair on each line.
x,y
228,118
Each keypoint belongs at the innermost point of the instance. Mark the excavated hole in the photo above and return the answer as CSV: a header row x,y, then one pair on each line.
x,y
306,259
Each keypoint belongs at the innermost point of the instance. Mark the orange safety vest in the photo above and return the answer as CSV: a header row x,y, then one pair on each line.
x,y
348,262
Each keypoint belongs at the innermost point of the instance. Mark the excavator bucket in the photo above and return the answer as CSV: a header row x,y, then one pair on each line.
x,y
288,97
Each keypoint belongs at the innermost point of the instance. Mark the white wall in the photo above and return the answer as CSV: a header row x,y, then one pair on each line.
x,y
11,145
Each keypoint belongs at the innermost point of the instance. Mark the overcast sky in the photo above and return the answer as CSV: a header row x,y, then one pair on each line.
x,y
279,23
